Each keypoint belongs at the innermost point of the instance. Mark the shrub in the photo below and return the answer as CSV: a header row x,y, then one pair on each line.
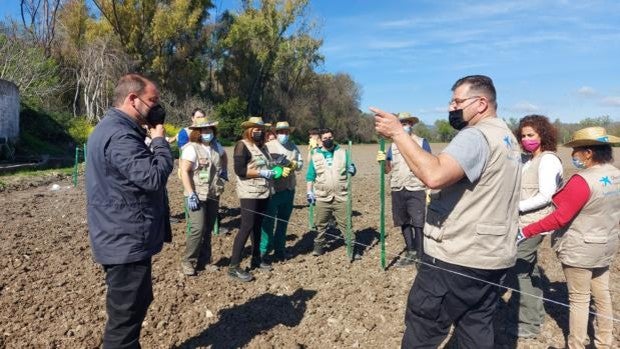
x,y
79,129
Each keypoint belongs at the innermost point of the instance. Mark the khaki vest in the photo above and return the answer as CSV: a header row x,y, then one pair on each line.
x,y
207,182
529,188
331,181
401,176
475,224
591,239
291,153
255,188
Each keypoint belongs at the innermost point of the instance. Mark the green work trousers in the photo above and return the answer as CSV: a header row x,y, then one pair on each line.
x,y
280,206
527,311
199,227
324,211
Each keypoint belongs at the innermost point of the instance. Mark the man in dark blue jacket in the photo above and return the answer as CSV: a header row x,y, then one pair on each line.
x,y
125,184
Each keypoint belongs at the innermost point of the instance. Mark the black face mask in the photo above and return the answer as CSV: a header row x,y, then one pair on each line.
x,y
258,136
156,115
455,117
328,143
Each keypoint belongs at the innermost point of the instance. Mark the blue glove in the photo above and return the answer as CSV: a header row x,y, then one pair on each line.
x,y
311,198
192,202
520,236
267,174
224,174
351,169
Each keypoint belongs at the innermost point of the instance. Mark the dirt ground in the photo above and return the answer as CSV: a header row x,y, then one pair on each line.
x,y
52,293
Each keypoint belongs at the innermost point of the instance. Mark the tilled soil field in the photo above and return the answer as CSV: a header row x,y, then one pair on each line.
x,y
52,293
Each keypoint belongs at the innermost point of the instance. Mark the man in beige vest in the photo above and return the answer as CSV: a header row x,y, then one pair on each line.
x,y
408,194
471,223
327,186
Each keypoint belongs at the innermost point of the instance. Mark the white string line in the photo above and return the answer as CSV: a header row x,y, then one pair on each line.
x,y
417,260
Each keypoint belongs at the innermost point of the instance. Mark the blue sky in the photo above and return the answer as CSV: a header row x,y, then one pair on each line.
x,y
553,57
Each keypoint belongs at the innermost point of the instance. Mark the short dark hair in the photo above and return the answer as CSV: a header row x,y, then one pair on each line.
x,y
545,129
314,131
129,83
481,84
325,130
601,154
198,110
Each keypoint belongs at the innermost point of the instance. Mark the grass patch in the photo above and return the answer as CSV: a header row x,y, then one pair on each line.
x,y
61,171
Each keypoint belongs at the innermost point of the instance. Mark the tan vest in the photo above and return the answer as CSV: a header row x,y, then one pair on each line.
x,y
529,188
331,181
207,181
255,188
291,153
401,176
475,224
591,239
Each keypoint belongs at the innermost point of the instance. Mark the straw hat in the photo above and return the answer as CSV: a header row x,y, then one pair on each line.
x,y
283,125
202,123
591,136
405,116
254,121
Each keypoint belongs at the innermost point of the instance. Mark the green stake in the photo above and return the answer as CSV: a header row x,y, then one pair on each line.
x,y
382,210
84,152
216,226
349,240
75,166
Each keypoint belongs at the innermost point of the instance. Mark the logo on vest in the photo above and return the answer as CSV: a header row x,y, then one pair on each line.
x,y
605,180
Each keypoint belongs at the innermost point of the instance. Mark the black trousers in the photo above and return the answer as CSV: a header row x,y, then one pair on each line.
x,y
129,294
439,299
252,211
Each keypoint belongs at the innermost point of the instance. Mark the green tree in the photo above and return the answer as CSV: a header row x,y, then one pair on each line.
x,y
445,132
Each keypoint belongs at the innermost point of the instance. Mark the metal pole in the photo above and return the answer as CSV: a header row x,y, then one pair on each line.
x,y
348,236
84,153
75,166
382,210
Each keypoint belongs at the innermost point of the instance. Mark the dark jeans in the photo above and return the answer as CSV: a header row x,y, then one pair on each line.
x,y
252,211
439,298
129,294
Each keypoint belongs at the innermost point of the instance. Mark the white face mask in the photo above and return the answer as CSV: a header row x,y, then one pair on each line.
x,y
282,138
207,137
407,129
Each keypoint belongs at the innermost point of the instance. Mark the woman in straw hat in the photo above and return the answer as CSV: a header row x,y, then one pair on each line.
x,y
587,212
200,168
280,207
541,176
254,169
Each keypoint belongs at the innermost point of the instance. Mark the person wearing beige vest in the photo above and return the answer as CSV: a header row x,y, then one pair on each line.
x,y
586,238
280,206
255,172
541,176
471,220
408,194
327,187
200,166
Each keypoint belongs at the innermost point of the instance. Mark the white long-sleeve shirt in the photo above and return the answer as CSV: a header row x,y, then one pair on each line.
x,y
549,181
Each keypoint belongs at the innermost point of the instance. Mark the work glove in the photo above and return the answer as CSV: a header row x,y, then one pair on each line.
x,y
311,198
293,165
351,169
381,156
286,171
267,174
192,202
520,236
224,174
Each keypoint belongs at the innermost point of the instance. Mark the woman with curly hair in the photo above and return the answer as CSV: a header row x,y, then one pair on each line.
x,y
541,176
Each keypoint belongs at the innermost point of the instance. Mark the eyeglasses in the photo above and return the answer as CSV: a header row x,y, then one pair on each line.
x,y
458,101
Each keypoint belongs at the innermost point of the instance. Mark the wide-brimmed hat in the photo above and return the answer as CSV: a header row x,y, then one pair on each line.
x,y
591,136
202,123
283,125
405,116
254,121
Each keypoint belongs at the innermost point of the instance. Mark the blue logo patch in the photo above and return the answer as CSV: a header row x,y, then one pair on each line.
x,y
605,180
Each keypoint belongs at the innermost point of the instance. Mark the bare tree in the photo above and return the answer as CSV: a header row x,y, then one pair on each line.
x,y
39,20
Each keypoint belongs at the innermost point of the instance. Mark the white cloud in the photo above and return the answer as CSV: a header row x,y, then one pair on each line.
x,y
525,107
611,101
586,91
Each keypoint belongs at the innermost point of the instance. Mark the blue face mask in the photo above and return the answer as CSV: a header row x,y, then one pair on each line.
x,y
407,129
207,137
578,163
282,139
